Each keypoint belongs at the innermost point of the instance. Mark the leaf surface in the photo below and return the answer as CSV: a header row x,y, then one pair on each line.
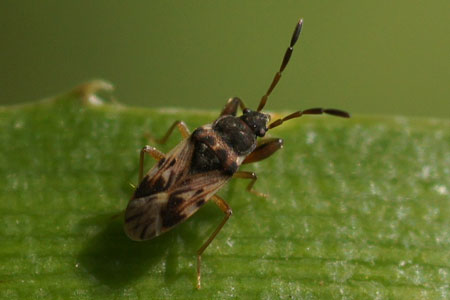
x,y
358,209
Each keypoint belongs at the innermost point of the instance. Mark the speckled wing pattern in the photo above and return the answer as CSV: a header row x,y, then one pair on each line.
x,y
169,194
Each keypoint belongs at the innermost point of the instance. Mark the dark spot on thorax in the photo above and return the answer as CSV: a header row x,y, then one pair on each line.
x,y
204,159
228,160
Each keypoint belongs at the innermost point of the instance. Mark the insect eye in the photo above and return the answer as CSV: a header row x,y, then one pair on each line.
x,y
246,111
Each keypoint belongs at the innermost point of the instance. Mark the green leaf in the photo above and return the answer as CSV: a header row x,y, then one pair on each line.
x,y
358,209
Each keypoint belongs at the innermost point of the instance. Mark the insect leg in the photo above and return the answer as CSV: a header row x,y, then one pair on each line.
x,y
182,127
153,152
232,106
265,148
253,177
227,210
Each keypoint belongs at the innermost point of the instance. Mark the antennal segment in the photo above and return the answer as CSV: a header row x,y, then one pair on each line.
x,y
311,111
287,56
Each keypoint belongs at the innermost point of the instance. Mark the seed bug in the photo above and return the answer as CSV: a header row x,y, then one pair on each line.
x,y
203,162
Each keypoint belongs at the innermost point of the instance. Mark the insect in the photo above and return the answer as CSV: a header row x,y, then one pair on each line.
x,y
203,162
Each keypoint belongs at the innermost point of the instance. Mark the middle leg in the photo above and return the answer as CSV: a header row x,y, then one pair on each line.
x,y
253,177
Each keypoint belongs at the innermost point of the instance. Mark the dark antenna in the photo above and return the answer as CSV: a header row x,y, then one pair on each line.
x,y
287,56
310,111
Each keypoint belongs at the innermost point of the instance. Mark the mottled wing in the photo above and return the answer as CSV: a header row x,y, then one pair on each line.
x,y
167,171
189,195
149,216
169,194
143,218
150,197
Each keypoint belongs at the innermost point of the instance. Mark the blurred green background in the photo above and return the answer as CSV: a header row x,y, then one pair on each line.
x,y
381,57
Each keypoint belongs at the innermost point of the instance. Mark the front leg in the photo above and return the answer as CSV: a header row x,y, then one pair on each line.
x,y
265,148
232,106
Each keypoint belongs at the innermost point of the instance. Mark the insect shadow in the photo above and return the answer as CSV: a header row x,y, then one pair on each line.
x,y
116,261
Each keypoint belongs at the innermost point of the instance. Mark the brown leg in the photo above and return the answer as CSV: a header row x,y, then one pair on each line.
x,y
265,148
253,177
227,210
153,152
232,106
182,127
